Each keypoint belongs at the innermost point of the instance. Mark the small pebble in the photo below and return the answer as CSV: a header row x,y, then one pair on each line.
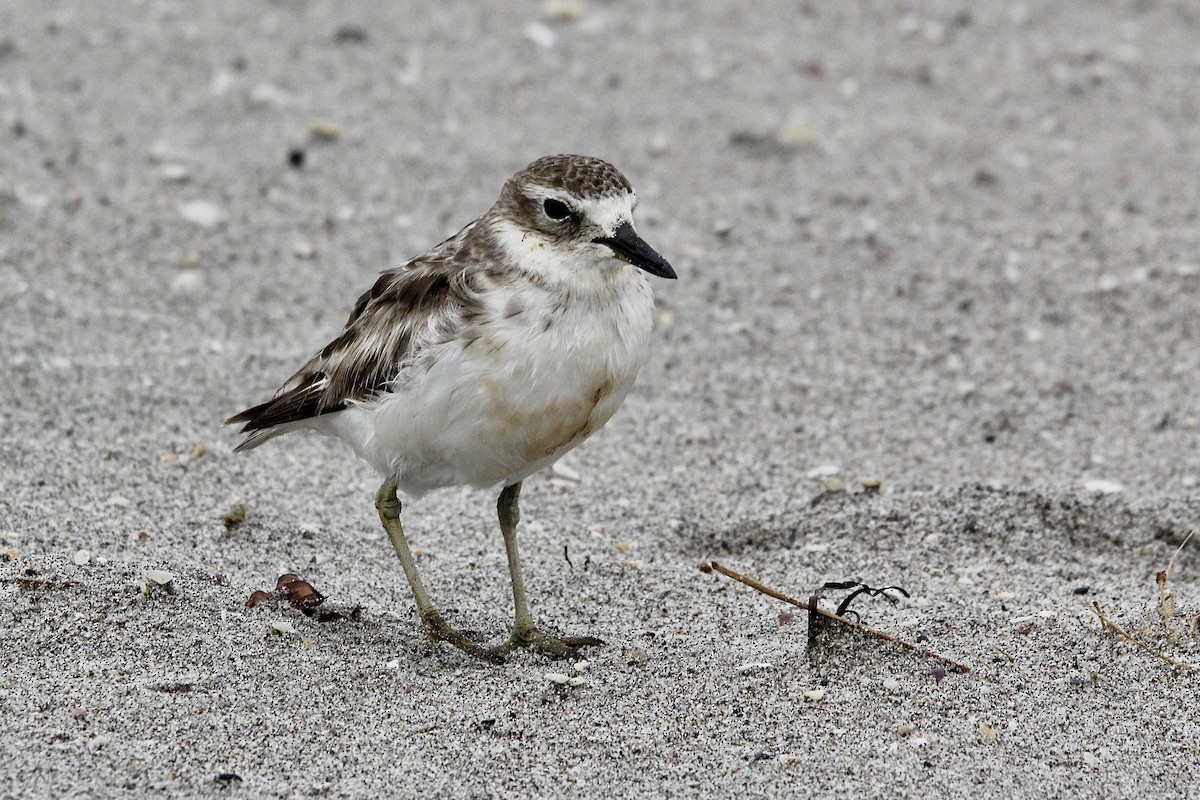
x,y
560,678
870,484
303,249
185,283
795,133
987,733
268,95
562,10
235,516
202,213
283,626
823,471
174,173
1102,486
394,664
576,681
83,557
541,35
833,485
323,129
222,81
581,666
159,576
815,695
118,501
891,684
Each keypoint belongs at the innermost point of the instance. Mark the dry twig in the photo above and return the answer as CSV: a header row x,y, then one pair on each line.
x,y
1108,624
1166,600
713,566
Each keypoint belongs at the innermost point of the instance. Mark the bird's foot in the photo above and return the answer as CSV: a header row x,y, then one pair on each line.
x,y
558,647
438,630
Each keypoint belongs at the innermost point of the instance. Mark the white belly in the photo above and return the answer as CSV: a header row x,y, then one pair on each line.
x,y
508,404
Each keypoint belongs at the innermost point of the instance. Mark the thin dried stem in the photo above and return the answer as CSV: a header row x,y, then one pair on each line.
x,y
711,566
1108,624
1166,600
1186,539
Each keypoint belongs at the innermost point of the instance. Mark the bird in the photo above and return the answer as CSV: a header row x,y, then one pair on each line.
x,y
485,359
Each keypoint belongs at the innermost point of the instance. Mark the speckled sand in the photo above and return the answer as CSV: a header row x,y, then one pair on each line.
x,y
954,247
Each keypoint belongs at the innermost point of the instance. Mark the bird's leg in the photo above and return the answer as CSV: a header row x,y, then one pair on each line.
x,y
525,633
388,505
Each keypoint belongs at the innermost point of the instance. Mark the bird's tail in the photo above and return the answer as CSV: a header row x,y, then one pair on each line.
x,y
256,426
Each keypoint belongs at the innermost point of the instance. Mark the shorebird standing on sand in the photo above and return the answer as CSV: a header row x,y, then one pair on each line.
x,y
486,359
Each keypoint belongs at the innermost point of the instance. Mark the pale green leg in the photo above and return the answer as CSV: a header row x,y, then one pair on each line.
x,y
388,505
525,633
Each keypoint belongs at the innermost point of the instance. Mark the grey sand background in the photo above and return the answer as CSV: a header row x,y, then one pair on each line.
x,y
950,246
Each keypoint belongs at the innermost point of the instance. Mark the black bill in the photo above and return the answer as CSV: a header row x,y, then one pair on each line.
x,y
630,247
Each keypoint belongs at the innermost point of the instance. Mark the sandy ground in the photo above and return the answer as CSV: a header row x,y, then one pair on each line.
x,y
954,247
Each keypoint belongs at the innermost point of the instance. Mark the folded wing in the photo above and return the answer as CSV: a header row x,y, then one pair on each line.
x,y
425,301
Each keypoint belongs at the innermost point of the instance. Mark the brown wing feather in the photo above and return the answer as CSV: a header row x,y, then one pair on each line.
x,y
426,300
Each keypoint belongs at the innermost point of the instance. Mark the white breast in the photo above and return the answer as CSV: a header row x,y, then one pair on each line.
x,y
495,409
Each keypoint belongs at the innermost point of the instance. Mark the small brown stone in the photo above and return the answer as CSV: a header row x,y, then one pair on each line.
x,y
235,516
258,598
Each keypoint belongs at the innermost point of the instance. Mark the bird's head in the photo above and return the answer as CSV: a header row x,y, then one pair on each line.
x,y
566,213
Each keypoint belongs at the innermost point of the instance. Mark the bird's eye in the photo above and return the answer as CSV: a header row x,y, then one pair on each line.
x,y
556,209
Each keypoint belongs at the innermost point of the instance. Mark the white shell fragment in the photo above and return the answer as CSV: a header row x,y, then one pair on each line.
x,y
202,213
159,576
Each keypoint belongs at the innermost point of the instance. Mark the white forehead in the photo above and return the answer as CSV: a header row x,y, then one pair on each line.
x,y
608,211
